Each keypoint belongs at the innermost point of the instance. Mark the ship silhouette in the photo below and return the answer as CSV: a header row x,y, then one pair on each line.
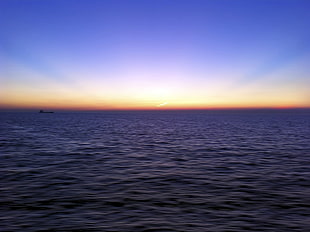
x,y
48,112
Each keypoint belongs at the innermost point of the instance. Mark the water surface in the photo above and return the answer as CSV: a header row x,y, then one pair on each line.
x,y
155,171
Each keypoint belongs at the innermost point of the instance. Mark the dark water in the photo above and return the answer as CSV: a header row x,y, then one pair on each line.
x,y
155,171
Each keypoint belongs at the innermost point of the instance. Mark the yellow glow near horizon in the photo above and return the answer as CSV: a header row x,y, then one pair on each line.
x,y
68,99
141,90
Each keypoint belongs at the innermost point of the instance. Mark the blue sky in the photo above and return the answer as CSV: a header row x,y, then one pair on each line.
x,y
143,54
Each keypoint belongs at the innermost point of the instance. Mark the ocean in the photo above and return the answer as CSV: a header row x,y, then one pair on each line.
x,y
212,170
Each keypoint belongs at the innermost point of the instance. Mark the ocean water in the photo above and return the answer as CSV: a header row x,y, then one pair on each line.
x,y
155,171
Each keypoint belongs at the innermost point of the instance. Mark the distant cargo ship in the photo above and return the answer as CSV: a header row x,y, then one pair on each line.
x,y
48,112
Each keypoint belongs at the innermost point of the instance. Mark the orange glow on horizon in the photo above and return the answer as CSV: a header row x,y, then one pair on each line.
x,y
150,97
131,106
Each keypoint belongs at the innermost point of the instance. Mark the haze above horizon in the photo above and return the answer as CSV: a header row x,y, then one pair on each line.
x,y
143,54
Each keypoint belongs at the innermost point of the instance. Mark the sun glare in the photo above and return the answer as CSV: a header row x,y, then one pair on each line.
x,y
162,104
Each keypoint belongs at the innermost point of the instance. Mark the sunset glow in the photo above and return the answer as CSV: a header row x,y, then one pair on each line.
x,y
97,55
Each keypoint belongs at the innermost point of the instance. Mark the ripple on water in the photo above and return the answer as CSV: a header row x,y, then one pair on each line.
x,y
155,171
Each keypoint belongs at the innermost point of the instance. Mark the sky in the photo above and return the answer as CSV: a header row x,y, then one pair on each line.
x,y
154,54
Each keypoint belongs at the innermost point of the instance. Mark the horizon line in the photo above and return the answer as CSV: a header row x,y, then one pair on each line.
x,y
153,109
